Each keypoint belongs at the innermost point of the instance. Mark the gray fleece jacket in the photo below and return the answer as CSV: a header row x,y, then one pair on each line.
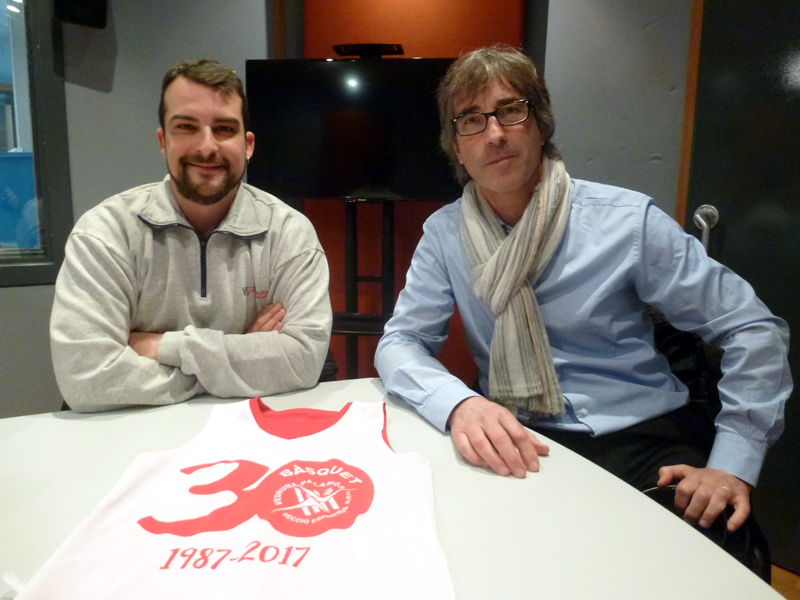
x,y
133,263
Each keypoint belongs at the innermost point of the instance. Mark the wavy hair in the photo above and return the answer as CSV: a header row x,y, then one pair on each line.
x,y
472,73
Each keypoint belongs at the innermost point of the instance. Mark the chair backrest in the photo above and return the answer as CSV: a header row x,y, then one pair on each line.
x,y
329,369
697,365
691,360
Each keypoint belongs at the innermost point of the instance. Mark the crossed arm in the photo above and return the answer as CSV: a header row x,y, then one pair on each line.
x,y
145,343
99,362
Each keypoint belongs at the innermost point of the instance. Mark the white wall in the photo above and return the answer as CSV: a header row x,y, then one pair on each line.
x,y
27,383
114,82
616,71
113,86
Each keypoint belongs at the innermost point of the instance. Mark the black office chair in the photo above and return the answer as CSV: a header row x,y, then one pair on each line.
x,y
691,360
697,365
329,369
747,544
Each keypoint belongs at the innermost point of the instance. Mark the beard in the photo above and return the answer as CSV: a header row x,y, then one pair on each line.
x,y
204,193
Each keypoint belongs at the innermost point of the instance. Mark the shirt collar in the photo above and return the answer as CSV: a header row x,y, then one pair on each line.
x,y
242,220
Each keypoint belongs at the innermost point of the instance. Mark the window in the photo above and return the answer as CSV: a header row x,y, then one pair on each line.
x,y
35,199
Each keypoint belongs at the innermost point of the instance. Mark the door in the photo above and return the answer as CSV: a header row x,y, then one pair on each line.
x,y
746,162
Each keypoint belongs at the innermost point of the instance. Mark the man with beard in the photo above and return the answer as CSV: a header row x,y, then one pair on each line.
x,y
196,284
552,277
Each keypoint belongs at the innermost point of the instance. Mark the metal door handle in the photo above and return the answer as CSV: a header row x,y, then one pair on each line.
x,y
706,218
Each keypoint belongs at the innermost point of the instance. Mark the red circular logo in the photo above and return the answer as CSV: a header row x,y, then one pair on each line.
x,y
307,498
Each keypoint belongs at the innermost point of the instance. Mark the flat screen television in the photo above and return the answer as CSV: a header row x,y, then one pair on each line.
x,y
351,129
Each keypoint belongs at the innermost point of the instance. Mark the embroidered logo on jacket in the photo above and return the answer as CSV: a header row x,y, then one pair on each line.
x,y
301,498
251,290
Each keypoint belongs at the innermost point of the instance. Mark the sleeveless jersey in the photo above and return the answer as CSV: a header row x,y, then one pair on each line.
x,y
298,503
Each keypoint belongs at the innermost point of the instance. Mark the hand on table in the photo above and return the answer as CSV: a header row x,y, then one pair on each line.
x,y
488,435
704,493
145,343
269,319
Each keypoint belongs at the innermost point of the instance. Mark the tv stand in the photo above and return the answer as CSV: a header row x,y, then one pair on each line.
x,y
351,323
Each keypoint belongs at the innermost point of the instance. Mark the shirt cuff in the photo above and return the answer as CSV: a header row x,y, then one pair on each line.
x,y
442,402
169,348
738,456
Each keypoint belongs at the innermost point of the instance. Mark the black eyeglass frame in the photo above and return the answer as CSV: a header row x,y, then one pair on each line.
x,y
486,115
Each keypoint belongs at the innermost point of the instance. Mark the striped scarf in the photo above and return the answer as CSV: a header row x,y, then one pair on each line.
x,y
504,270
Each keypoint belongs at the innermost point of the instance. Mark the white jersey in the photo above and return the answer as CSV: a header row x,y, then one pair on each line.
x,y
299,503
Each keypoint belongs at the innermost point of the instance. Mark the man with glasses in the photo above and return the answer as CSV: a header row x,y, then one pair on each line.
x,y
198,283
552,278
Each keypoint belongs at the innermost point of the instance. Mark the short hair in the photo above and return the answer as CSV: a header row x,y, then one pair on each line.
x,y
210,73
472,73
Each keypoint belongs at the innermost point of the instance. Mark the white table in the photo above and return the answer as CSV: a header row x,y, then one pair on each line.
x,y
571,531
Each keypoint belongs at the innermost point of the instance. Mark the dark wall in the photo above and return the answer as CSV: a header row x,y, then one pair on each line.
x,y
744,161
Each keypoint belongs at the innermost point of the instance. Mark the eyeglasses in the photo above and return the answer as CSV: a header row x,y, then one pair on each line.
x,y
473,123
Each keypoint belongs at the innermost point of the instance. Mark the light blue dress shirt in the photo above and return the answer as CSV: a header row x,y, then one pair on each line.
x,y
619,251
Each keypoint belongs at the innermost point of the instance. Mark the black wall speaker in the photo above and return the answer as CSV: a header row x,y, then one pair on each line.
x,y
91,13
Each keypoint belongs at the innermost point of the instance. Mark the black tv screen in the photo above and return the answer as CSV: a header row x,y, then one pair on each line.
x,y
353,129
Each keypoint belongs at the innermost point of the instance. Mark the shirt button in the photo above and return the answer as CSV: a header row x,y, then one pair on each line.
x,y
583,412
